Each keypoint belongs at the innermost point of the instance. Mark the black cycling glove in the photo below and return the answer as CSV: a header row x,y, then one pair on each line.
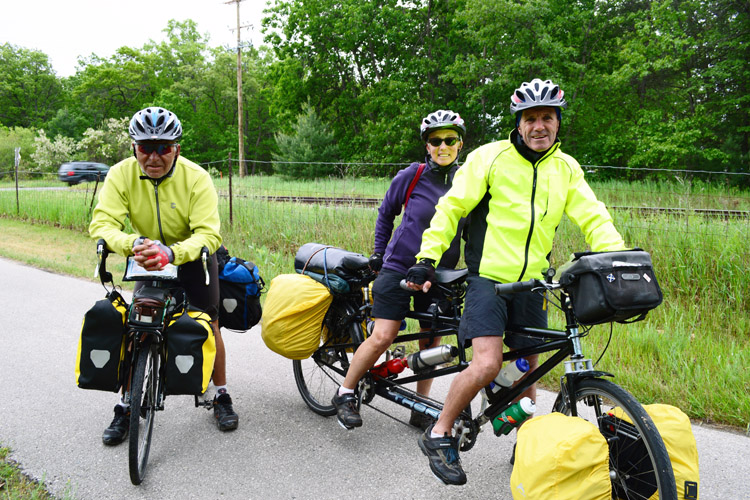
x,y
376,261
422,271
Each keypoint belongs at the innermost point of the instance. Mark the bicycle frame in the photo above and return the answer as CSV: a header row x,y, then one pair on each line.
x,y
563,344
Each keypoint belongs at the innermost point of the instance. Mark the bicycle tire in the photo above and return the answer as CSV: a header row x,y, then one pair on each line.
x,y
143,397
632,477
315,377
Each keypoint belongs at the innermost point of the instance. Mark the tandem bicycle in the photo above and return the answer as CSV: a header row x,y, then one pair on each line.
x,y
584,391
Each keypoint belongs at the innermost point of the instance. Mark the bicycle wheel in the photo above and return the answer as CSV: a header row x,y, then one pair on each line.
x,y
143,397
319,376
639,464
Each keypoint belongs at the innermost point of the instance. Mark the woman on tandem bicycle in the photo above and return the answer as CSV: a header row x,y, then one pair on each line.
x,y
417,188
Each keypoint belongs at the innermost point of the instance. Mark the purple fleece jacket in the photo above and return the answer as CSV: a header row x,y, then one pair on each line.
x,y
399,252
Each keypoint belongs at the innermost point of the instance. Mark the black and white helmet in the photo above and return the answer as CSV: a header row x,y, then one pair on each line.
x,y
440,119
155,124
537,93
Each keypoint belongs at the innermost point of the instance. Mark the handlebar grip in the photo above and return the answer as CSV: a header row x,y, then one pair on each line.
x,y
402,284
515,287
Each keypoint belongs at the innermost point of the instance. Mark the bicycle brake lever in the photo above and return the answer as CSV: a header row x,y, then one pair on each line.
x,y
204,258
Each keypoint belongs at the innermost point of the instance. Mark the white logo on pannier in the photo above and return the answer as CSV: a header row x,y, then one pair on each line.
x,y
610,277
229,304
184,362
99,357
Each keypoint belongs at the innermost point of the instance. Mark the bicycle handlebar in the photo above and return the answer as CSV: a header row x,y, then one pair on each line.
x,y
516,287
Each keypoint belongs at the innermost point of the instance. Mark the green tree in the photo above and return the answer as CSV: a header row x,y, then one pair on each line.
x,y
108,144
10,139
30,92
372,85
310,152
50,154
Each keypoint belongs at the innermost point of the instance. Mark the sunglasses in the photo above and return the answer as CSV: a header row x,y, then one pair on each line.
x,y
437,141
161,149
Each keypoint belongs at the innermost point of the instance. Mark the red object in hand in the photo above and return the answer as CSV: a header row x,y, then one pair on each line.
x,y
162,255
390,367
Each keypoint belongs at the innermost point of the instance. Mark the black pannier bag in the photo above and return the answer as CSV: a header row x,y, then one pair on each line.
x,y
101,346
191,351
240,286
611,286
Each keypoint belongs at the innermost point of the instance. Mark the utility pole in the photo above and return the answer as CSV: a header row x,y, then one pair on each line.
x,y
240,121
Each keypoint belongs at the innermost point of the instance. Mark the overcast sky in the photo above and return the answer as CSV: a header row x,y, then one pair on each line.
x,y
66,29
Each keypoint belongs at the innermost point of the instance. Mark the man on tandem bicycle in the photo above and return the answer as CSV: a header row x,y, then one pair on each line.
x,y
516,191
172,204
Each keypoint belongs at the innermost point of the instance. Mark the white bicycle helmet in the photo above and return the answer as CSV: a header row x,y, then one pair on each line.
x,y
537,93
440,119
155,124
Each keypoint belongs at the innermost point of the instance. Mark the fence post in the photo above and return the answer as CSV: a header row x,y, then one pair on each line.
x,y
17,162
231,215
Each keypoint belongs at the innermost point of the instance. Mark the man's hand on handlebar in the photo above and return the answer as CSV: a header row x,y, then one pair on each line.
x,y
152,255
420,275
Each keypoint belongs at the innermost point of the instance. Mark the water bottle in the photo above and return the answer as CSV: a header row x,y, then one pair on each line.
x,y
422,361
391,367
509,374
513,416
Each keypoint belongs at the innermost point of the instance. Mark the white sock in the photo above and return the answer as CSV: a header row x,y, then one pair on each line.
x,y
343,390
122,403
434,435
221,389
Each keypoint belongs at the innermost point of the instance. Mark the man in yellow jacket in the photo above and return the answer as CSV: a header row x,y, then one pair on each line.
x,y
516,191
172,206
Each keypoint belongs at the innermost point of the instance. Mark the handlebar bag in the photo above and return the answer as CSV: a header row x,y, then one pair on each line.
x,y
191,351
559,457
293,315
677,434
240,286
101,346
611,286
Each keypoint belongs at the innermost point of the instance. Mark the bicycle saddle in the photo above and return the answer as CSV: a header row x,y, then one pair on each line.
x,y
355,262
450,276
151,296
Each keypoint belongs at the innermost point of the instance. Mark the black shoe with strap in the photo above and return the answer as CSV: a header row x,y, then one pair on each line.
x,y
346,410
118,429
443,454
226,418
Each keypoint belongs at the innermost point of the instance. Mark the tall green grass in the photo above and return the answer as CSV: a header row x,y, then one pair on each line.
x,y
692,352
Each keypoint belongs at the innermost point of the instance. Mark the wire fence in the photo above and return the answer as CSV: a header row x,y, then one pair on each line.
x,y
712,204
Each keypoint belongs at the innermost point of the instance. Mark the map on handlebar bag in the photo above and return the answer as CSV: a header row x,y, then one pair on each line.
x,y
134,272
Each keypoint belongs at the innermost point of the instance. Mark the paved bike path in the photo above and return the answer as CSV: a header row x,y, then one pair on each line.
x,y
281,449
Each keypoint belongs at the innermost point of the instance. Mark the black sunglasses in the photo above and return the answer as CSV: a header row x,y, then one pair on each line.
x,y
161,149
437,141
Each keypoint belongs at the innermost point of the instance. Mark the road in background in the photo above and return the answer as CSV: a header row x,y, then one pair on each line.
x,y
281,449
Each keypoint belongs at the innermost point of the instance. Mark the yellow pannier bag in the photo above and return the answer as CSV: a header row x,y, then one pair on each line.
x,y
101,345
293,315
560,458
677,434
191,352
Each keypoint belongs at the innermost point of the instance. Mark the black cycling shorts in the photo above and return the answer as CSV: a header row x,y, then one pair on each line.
x,y
390,301
486,314
193,280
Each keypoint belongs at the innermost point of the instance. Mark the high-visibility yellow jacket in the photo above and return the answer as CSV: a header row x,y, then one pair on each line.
x,y
181,210
515,208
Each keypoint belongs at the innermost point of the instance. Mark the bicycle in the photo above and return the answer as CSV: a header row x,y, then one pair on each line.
x,y
584,392
143,373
